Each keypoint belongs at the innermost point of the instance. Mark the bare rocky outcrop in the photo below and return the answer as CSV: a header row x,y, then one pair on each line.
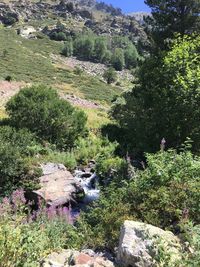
x,y
140,243
67,258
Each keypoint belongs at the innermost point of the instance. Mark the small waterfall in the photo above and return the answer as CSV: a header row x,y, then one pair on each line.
x,y
88,182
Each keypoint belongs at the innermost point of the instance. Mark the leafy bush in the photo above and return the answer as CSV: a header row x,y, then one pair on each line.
x,y
110,75
111,167
166,192
58,36
104,220
9,20
40,109
118,60
92,147
68,49
191,236
15,165
68,159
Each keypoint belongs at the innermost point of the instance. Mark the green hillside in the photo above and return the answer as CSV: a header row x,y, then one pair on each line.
x,y
30,61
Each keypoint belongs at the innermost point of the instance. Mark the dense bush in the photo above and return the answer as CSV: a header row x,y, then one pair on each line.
x,y
92,147
40,109
15,149
118,60
9,20
166,193
68,49
102,224
110,75
58,36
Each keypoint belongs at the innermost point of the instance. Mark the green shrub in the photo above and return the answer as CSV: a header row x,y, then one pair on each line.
x,y
40,109
118,60
110,75
105,218
9,20
166,192
68,49
92,147
15,150
66,158
26,238
111,167
191,237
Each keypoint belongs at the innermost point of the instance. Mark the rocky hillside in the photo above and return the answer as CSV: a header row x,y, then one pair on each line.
x,y
77,15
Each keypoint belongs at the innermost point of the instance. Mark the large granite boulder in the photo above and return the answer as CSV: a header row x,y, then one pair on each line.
x,y
57,185
67,258
140,245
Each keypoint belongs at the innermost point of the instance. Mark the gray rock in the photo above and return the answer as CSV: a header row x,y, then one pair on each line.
x,y
139,243
50,168
67,258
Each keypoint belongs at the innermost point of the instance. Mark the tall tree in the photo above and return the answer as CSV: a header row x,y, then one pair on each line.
x,y
165,103
173,16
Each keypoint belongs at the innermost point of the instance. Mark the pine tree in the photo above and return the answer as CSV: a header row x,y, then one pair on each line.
x,y
173,16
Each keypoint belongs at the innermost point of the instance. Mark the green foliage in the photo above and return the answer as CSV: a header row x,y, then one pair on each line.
x,y
166,192
191,236
110,75
131,57
165,103
118,60
169,17
68,49
15,150
102,223
84,47
92,147
111,168
68,159
25,240
88,46
58,36
9,20
100,50
40,109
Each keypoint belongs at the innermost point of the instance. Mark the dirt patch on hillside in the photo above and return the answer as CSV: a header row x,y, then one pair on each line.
x,y
8,89
80,102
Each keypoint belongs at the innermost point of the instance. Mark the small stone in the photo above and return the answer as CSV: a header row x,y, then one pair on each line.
x,y
82,259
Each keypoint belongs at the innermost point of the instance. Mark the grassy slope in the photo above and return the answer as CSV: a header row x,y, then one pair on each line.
x,y
30,61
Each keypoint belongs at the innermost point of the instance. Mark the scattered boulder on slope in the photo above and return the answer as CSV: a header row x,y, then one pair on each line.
x,y
140,243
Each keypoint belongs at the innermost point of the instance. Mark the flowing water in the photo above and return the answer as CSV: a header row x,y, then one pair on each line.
x,y
89,184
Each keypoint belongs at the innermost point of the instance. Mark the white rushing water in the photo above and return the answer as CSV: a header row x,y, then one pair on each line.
x,y
89,184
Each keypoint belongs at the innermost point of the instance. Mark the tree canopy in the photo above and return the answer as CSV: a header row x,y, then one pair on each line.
x,y
165,103
173,16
